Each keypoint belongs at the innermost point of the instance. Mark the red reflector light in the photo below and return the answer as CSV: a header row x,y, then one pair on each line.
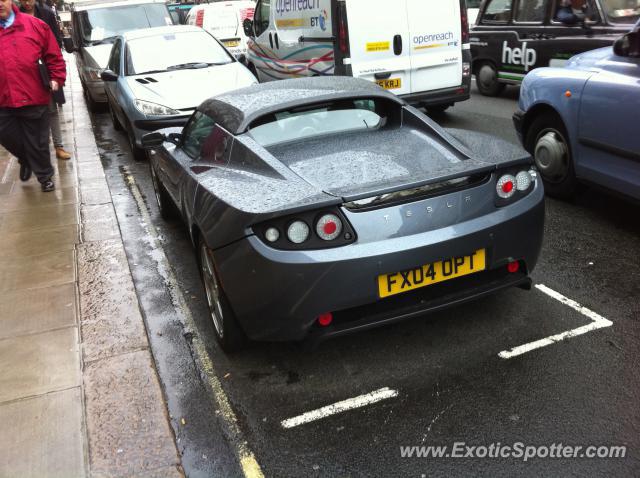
x,y
507,187
460,91
330,228
513,267
325,319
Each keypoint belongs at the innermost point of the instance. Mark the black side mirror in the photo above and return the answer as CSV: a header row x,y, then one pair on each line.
x,y
68,44
628,45
243,59
108,75
175,138
247,25
153,140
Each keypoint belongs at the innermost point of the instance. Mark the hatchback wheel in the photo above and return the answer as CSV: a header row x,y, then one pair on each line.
x,y
487,80
228,332
139,154
114,119
547,141
165,204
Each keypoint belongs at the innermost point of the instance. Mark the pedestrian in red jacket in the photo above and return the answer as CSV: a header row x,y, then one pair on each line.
x,y
24,98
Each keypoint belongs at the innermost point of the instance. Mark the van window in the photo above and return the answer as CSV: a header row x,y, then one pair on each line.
x,y
99,24
530,11
261,17
622,11
497,11
340,117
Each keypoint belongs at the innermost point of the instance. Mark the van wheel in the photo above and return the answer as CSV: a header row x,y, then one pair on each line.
x,y
547,141
436,110
487,80
228,332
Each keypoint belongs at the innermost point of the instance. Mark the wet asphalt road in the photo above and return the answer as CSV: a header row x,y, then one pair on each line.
x,y
451,384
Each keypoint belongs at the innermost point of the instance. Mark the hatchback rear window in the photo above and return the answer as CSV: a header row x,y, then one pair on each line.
x,y
320,120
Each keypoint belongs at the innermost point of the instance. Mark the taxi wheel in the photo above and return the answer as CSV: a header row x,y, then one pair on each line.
x,y
228,332
487,80
114,119
165,205
547,141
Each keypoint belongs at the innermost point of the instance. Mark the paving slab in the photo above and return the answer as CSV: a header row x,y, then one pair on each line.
x,y
39,363
111,320
39,271
38,242
42,436
119,392
27,199
5,188
99,222
37,310
39,218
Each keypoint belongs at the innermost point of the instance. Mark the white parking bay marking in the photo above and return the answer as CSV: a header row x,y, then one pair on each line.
x,y
339,407
597,322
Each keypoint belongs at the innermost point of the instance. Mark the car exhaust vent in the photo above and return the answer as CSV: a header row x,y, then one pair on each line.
x,y
142,80
416,194
151,80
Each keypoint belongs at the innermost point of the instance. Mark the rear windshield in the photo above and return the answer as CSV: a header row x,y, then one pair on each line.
x,y
622,11
100,24
326,119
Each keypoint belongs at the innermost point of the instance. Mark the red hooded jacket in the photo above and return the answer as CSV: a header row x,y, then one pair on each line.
x,y
21,45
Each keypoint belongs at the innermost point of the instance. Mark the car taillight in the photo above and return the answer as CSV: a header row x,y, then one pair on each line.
x,y
298,232
343,33
329,227
464,21
506,186
513,185
307,230
199,18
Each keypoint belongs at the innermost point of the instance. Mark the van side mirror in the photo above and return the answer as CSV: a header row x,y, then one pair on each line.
x,y
108,75
247,25
153,140
68,44
628,45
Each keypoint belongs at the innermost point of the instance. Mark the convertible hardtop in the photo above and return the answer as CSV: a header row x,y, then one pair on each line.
x,y
236,110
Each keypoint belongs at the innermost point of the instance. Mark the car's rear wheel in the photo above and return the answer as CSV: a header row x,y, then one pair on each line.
x,y
487,80
165,204
547,141
228,332
114,119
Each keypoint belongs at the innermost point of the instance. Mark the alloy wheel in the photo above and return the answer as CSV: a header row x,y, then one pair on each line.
x,y
212,290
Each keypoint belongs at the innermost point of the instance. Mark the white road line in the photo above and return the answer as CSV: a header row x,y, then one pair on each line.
x,y
343,406
597,322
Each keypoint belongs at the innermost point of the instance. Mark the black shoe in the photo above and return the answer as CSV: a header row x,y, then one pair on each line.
x,y
25,172
48,186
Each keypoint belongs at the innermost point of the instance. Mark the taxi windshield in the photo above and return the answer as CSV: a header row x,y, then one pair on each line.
x,y
622,11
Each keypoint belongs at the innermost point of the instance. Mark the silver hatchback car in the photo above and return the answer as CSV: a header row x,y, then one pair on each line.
x,y
156,77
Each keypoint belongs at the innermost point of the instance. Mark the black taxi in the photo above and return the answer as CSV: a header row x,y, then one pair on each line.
x,y
512,37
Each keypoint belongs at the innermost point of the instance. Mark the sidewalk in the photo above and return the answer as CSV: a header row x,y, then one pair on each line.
x,y
79,394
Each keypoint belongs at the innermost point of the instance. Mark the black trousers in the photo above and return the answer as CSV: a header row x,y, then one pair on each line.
x,y
24,132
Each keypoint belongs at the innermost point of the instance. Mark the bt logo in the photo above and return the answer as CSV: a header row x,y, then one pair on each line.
x,y
320,21
519,56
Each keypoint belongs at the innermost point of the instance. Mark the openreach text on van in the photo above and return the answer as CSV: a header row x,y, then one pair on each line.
x,y
286,6
421,39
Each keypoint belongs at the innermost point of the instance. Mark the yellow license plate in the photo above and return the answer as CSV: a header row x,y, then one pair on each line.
x,y
399,282
231,44
391,83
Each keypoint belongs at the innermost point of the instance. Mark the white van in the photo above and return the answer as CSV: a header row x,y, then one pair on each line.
x,y
419,49
224,21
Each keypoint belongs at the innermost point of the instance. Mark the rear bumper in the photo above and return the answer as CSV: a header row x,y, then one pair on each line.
x,y
444,96
278,295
